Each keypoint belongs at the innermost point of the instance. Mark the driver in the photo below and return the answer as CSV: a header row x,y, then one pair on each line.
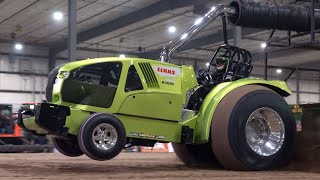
x,y
208,81
222,62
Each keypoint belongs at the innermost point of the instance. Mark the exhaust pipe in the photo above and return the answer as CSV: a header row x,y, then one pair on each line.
x,y
199,24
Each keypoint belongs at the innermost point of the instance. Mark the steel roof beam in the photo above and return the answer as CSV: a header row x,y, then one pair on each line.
x,y
131,18
202,41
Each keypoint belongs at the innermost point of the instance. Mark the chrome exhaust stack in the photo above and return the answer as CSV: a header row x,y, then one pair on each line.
x,y
174,45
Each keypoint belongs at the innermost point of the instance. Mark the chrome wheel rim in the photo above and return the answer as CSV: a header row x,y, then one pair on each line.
x,y
265,131
104,136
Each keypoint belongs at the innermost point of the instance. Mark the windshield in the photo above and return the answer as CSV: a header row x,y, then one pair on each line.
x,y
93,85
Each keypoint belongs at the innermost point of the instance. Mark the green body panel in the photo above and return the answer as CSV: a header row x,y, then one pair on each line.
x,y
189,80
153,105
74,121
202,130
155,129
153,112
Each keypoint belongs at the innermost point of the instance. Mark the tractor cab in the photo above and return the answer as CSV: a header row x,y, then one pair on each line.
x,y
229,63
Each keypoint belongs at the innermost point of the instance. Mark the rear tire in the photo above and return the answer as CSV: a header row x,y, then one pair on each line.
x,y
244,128
67,148
102,136
195,155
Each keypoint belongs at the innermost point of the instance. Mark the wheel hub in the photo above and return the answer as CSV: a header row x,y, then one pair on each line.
x,y
104,136
265,131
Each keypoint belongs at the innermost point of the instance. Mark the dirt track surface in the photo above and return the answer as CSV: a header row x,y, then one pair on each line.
x,y
131,166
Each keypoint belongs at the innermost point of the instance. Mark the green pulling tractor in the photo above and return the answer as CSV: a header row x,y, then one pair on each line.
x,y
97,107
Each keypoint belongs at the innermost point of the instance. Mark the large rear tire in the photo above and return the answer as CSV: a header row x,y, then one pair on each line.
x,y
195,155
66,147
253,129
102,136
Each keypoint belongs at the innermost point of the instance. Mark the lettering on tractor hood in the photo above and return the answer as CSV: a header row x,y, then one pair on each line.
x,y
136,134
167,71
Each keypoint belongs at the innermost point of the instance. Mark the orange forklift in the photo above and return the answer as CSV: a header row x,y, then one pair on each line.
x,y
12,136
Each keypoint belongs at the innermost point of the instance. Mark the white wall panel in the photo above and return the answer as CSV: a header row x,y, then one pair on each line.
x,y
309,86
292,99
309,98
10,98
23,83
36,65
292,85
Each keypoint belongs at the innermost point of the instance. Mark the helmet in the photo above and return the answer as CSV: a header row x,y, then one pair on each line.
x,y
222,62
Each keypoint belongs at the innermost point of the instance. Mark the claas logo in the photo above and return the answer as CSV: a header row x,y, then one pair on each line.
x,y
167,71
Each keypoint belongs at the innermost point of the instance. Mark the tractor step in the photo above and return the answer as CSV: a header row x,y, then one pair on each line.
x,y
186,135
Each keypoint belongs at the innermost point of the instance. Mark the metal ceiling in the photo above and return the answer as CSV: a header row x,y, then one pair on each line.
x,y
123,26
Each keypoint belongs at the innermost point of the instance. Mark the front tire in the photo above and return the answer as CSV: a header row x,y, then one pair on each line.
x,y
253,129
102,136
66,147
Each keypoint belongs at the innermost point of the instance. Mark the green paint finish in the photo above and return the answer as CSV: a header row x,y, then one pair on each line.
x,y
189,80
168,131
74,121
153,112
153,105
212,100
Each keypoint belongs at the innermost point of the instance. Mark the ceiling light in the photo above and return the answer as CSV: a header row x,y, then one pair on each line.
x,y
18,46
57,16
172,29
263,45
279,71
122,56
207,64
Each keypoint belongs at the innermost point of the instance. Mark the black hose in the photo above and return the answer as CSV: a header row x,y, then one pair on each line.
x,y
266,16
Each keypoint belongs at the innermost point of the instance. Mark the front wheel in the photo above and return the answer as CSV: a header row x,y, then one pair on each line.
x,y
67,147
102,136
253,129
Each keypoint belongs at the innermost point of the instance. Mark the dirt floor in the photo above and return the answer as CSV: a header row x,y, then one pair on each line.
x,y
131,166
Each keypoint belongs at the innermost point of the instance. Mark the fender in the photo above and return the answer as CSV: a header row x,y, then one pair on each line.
x,y
212,100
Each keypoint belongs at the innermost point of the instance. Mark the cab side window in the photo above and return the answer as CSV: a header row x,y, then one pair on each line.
x,y
133,82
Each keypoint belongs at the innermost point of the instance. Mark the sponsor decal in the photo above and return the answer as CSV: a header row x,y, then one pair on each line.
x,y
146,135
168,82
167,71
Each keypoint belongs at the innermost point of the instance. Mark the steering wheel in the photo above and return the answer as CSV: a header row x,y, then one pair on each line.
x,y
205,78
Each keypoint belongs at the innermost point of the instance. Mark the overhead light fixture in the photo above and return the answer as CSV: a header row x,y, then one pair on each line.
x,y
172,29
279,71
207,64
263,45
18,46
58,16
122,56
